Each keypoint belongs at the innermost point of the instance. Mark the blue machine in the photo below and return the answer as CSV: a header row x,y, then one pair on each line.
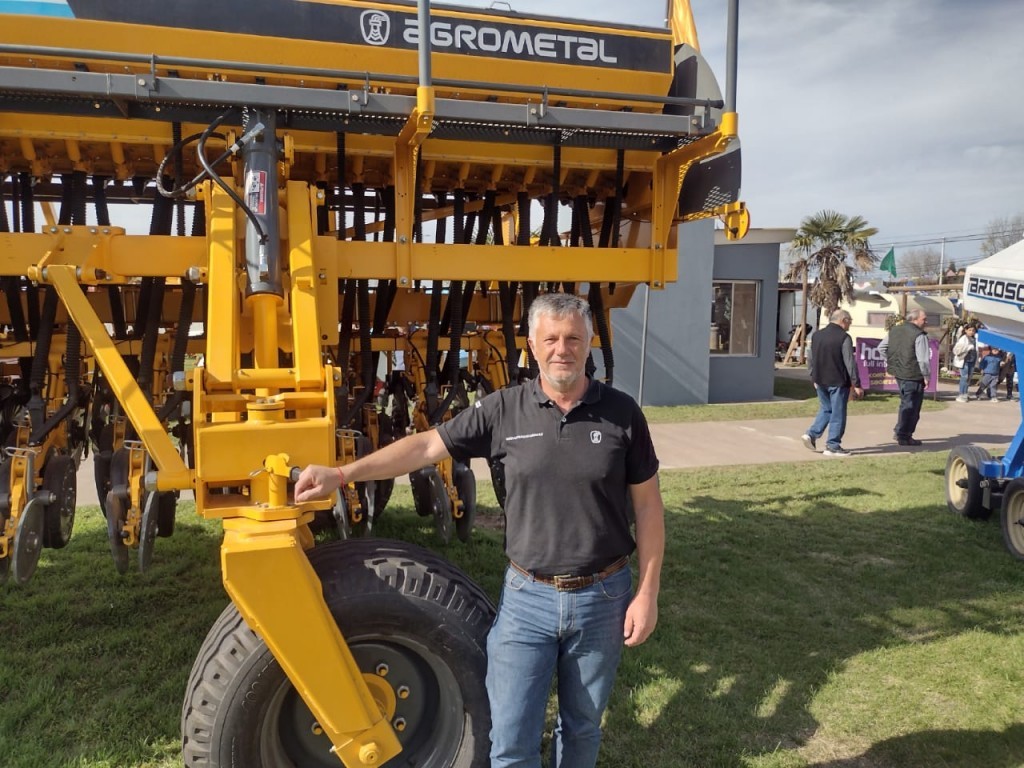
x,y
976,483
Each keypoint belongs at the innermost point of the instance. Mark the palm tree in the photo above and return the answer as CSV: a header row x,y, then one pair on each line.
x,y
822,244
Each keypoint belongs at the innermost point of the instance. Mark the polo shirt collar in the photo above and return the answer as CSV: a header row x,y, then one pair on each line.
x,y
591,395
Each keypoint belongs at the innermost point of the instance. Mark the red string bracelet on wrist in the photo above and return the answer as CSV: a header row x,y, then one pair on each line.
x,y
341,476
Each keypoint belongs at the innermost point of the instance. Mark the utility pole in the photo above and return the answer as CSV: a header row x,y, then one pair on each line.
x,y
942,262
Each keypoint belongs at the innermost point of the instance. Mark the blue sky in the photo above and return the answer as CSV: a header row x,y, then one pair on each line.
x,y
907,112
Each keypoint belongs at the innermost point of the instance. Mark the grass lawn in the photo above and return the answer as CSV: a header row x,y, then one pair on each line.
x,y
827,614
801,401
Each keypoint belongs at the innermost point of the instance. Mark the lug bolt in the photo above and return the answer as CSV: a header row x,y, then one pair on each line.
x,y
399,724
403,692
316,729
382,669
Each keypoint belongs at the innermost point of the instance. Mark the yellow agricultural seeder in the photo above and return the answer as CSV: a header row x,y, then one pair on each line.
x,y
351,206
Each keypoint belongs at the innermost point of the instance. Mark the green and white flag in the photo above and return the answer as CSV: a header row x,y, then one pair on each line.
x,y
889,262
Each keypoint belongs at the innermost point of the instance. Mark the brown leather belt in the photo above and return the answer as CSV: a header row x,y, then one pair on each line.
x,y
572,583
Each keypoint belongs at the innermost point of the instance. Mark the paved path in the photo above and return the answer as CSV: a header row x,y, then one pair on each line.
x,y
764,441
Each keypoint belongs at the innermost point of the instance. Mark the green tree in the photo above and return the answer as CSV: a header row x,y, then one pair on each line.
x,y
822,247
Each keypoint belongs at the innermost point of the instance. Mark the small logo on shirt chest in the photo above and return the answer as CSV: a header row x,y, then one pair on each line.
x,y
595,436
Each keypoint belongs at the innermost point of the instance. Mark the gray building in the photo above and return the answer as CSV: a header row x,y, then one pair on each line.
x,y
710,336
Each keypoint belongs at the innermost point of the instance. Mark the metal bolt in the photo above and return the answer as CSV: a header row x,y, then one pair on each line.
x,y
322,275
403,692
403,280
316,729
105,231
369,754
382,669
142,81
319,195
399,724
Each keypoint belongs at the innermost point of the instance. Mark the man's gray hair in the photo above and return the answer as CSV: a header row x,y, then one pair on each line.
x,y
561,305
915,314
839,315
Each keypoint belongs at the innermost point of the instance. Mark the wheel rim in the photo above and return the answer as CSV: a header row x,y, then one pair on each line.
x,y
957,474
1014,528
28,541
430,714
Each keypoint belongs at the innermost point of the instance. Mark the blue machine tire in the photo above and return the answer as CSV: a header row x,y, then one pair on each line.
x,y
1012,516
964,494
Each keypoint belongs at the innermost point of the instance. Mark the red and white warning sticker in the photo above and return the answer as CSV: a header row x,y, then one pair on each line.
x,y
256,192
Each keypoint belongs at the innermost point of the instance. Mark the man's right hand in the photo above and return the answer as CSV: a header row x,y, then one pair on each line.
x,y
317,482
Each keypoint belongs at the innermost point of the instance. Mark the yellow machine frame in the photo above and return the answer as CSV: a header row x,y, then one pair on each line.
x,y
254,418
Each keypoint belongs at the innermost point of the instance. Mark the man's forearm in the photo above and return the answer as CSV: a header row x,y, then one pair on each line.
x,y
650,547
400,458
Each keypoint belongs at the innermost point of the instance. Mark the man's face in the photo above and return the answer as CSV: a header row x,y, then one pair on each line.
x,y
561,346
921,321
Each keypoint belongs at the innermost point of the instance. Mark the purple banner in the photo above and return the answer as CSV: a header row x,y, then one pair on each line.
x,y
871,367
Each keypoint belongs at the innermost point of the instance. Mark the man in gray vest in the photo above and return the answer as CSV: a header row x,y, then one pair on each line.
x,y
905,349
833,371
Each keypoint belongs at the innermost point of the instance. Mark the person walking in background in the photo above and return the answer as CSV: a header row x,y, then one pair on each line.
x,y
965,355
1007,371
991,361
905,350
833,370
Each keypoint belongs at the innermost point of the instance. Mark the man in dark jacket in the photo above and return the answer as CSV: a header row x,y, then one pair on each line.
x,y
833,370
905,349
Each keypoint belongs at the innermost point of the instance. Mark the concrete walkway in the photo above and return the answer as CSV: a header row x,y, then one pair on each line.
x,y
765,441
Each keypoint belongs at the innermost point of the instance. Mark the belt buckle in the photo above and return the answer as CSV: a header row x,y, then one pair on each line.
x,y
569,583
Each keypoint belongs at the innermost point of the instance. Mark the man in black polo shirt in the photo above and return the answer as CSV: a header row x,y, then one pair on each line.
x,y
833,370
576,453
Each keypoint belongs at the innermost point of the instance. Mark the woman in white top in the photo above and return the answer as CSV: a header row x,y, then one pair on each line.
x,y
965,355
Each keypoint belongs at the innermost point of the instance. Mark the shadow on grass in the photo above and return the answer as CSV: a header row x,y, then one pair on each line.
x,y
764,602
953,749
93,664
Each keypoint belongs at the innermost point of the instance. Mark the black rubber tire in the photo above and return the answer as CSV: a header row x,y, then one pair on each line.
x,y
165,517
497,468
420,483
1012,517
61,479
101,457
964,494
465,485
240,711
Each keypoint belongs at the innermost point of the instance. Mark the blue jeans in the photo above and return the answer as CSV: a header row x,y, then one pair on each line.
x,y
965,377
538,631
832,414
911,397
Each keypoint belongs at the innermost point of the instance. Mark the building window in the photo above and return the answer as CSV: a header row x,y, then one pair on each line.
x,y
734,317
